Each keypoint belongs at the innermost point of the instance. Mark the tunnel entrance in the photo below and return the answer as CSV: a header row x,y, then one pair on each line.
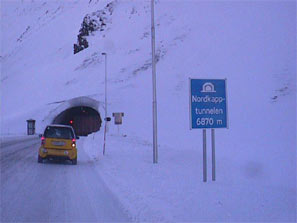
x,y
84,120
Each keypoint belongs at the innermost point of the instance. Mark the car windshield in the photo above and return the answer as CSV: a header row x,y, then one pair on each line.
x,y
58,132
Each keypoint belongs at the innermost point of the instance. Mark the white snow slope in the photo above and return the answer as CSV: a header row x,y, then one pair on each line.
x,y
251,43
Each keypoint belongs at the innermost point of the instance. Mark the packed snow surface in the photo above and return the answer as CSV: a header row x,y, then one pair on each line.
x,y
250,43
52,191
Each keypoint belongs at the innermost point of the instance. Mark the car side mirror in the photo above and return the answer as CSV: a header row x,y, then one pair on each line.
x,y
77,137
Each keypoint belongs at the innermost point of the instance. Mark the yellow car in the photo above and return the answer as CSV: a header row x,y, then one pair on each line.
x,y
58,141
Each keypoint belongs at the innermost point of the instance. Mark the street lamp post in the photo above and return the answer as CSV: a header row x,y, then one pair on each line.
x,y
105,119
155,143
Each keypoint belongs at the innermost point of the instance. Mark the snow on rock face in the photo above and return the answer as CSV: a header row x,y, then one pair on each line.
x,y
93,22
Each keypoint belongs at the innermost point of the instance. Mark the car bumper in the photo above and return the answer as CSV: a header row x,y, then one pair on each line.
x,y
57,153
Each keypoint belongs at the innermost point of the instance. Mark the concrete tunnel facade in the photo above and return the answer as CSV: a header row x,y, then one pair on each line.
x,y
81,113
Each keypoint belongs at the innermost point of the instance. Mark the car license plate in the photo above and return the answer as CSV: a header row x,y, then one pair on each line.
x,y
58,143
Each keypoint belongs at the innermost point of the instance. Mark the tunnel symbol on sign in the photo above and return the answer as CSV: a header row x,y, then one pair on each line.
x,y
208,87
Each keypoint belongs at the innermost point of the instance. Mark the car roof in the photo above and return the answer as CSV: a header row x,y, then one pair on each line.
x,y
58,125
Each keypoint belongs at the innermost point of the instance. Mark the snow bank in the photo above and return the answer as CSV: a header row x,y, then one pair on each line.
x,y
173,191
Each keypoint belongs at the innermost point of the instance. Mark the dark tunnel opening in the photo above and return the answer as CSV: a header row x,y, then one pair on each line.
x,y
84,120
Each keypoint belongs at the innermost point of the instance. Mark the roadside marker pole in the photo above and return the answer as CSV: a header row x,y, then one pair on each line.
x,y
104,137
213,155
105,127
204,157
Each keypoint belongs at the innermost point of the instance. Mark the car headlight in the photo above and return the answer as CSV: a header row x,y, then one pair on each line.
x,y
44,150
66,152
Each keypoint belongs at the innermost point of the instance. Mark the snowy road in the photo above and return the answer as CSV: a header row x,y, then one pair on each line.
x,y
52,191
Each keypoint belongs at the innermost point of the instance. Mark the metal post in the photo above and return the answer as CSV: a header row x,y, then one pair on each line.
x,y
204,156
105,127
213,154
155,143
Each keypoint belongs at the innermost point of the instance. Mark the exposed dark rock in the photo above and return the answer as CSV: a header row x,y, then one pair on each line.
x,y
20,39
97,21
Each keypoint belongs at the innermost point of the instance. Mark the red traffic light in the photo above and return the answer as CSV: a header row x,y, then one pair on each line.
x,y
71,121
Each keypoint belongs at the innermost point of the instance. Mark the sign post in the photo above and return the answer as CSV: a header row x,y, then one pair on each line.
x,y
204,157
213,155
208,110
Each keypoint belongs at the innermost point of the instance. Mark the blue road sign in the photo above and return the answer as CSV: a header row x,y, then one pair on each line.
x,y
208,103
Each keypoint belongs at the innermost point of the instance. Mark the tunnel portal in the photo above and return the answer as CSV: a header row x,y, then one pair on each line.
x,y
84,120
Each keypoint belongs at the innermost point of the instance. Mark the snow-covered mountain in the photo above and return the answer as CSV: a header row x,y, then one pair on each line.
x,y
251,43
